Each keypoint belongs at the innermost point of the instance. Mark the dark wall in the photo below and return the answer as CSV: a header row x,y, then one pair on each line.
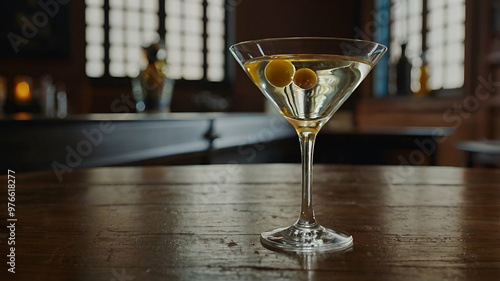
x,y
37,52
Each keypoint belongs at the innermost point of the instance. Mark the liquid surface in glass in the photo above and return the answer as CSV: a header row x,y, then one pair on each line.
x,y
307,89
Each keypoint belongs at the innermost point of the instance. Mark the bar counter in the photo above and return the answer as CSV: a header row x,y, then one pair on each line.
x,y
32,143
202,222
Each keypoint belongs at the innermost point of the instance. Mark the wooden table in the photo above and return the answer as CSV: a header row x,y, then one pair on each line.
x,y
203,223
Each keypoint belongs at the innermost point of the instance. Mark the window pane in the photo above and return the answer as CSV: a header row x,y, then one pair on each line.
x,y
194,43
193,10
175,71
133,20
133,54
406,28
454,77
117,69
415,24
116,36
455,33
132,37
397,30
150,22
94,35
435,60
94,52
150,5
215,43
456,2
173,8
445,39
438,54
135,23
215,58
414,48
434,4
94,3
174,56
215,28
132,69
117,53
193,58
192,72
415,7
399,9
215,12
193,26
116,4
215,72
435,19
435,76
455,53
173,23
456,13
435,37
94,16
446,43
150,36
133,4
173,40
116,18
395,48
94,68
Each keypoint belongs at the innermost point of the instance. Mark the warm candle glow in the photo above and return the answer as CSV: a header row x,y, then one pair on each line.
x,y
22,92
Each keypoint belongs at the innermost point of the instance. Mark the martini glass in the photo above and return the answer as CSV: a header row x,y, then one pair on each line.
x,y
307,79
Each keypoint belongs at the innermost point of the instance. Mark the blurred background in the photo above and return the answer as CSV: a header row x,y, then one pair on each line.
x,y
438,82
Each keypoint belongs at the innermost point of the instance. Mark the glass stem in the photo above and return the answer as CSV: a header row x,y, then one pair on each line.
x,y
307,219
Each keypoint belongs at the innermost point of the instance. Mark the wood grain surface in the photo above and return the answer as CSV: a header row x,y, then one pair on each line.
x,y
204,222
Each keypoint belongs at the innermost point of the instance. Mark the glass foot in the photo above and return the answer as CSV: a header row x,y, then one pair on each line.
x,y
304,240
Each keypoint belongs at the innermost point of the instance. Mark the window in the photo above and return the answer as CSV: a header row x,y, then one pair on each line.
x,y
445,43
433,30
94,37
193,32
185,30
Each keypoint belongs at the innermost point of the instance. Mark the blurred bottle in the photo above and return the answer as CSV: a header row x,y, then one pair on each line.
x,y
62,101
47,96
424,77
403,72
152,89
